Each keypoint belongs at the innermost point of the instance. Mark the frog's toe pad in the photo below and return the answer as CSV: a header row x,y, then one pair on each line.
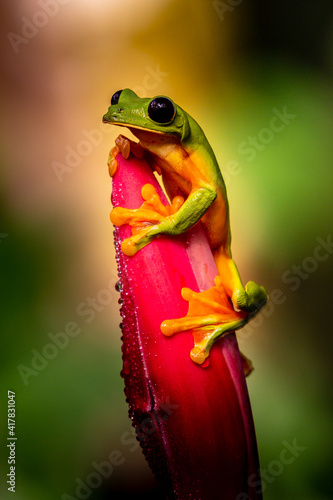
x,y
187,294
250,300
257,294
112,162
168,328
124,145
128,247
149,193
117,216
198,355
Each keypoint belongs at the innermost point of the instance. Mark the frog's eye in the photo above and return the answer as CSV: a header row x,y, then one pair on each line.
x,y
161,110
115,97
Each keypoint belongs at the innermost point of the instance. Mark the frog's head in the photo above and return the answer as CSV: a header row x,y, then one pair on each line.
x,y
158,114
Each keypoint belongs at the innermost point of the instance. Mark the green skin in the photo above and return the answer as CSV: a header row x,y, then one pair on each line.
x,y
180,151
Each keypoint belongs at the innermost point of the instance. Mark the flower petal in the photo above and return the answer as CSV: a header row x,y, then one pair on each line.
x,y
194,423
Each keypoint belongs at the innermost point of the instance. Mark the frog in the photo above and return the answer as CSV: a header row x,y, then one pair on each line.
x,y
175,146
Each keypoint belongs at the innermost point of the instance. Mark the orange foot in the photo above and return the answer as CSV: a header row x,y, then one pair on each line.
x,y
124,146
211,316
147,221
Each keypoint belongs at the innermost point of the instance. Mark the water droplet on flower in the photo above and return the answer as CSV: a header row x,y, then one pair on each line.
x,y
126,367
206,363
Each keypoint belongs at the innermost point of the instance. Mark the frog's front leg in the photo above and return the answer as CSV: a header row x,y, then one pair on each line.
x,y
124,146
153,218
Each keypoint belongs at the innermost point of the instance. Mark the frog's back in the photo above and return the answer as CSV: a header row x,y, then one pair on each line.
x,y
202,154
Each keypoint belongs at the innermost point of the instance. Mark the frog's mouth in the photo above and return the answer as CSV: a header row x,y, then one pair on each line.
x,y
136,127
151,136
145,135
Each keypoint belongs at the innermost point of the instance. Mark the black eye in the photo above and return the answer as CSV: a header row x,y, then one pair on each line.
x,y
115,97
161,110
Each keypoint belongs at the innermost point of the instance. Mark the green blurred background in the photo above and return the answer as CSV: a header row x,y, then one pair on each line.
x,y
234,66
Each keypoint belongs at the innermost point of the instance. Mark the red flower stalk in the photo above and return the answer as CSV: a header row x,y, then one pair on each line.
x,y
193,421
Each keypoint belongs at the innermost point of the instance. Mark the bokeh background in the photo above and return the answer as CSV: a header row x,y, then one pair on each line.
x,y
232,65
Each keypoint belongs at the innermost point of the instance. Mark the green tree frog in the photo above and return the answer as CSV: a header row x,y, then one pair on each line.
x,y
176,147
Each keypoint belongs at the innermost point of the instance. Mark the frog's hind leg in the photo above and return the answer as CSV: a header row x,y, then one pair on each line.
x,y
220,310
210,316
249,299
